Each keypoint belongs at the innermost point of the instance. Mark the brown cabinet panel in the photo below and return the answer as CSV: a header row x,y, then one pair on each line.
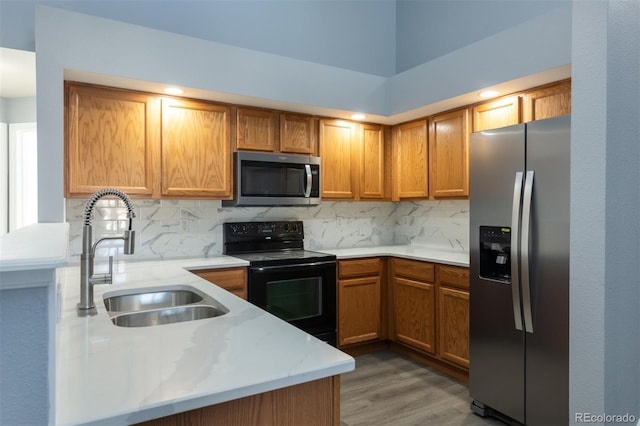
x,y
298,134
549,101
339,152
359,318
196,149
359,267
256,129
453,325
233,280
453,276
414,269
498,113
410,160
111,139
449,154
414,313
372,163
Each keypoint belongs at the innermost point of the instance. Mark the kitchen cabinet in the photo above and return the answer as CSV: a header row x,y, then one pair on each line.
x,y
360,313
112,138
256,129
497,113
548,101
453,314
234,280
298,134
410,160
375,156
339,152
449,155
414,304
145,145
196,149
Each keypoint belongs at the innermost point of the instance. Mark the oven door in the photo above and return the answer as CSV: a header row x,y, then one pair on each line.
x,y
303,295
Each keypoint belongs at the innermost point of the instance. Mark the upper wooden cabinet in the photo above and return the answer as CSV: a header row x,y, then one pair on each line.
x,y
196,149
449,155
256,129
111,139
410,160
339,151
298,134
547,101
145,145
498,113
375,155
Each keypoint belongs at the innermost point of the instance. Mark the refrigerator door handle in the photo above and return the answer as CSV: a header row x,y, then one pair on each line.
x,y
515,226
526,234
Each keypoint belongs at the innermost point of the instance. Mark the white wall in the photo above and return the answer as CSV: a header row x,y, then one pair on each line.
x,y
605,206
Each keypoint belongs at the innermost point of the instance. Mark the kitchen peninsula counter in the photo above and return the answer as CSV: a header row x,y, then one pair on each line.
x,y
116,375
414,252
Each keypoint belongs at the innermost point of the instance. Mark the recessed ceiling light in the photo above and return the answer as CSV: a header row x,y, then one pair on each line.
x,y
358,116
173,91
488,94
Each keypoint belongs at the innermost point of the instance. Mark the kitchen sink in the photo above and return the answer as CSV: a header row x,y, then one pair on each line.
x,y
161,305
166,316
153,300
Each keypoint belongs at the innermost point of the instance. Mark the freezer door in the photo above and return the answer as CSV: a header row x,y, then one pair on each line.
x,y
547,358
496,370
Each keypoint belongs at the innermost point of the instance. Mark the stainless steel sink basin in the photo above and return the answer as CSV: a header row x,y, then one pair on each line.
x,y
152,300
166,316
161,305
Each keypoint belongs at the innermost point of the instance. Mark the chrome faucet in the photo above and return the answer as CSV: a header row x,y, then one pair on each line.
x,y
87,307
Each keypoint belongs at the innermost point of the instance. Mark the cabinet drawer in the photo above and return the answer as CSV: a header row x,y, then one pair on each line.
x,y
421,271
453,276
233,280
359,267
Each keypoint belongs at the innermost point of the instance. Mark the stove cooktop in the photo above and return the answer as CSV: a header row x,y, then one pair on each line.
x,y
286,257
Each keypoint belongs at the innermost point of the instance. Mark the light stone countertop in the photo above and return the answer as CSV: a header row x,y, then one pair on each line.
x,y
37,246
415,252
115,375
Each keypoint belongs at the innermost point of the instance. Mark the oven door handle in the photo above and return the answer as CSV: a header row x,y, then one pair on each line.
x,y
285,267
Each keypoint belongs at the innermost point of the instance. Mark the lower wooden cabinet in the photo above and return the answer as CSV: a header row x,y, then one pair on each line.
x,y
414,304
453,314
360,313
233,280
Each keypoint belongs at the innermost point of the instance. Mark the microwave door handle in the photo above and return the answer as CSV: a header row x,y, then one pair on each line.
x,y
307,192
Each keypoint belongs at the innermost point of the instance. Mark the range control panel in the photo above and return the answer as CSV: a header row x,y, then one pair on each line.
x,y
278,230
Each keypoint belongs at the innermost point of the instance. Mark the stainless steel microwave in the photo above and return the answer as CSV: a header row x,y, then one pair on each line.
x,y
266,179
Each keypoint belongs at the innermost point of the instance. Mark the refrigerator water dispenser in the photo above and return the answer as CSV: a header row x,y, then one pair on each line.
x,y
495,250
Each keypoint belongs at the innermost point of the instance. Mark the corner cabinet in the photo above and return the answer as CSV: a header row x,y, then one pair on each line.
x,y
112,138
449,155
360,312
410,160
196,149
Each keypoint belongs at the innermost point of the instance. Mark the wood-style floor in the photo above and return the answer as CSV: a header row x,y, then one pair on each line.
x,y
388,389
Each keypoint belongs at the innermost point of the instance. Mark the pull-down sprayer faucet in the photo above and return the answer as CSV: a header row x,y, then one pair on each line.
x,y
86,306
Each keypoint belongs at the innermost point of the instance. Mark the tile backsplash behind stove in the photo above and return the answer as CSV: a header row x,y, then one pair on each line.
x,y
193,228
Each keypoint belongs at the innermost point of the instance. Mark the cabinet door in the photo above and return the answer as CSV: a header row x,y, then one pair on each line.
x,y
414,313
410,156
339,153
498,113
256,129
449,154
453,325
196,149
111,139
233,280
373,161
359,310
298,134
546,102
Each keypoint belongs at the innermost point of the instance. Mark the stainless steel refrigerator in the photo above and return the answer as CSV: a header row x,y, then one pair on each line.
x,y
519,272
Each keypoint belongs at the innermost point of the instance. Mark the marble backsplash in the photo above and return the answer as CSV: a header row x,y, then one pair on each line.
x,y
193,228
